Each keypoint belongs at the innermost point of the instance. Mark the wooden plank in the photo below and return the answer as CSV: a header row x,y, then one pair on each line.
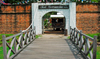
x,y
4,46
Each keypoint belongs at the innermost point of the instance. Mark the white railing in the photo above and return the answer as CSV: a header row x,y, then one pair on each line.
x,y
85,44
14,44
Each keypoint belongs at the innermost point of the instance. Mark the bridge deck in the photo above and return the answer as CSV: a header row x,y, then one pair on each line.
x,y
50,47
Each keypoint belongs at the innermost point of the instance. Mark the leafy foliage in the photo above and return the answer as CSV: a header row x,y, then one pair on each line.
x,y
45,23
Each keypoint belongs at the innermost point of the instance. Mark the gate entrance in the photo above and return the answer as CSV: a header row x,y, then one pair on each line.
x,y
68,10
53,23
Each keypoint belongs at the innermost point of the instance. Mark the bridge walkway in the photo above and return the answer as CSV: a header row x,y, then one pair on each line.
x,y
50,46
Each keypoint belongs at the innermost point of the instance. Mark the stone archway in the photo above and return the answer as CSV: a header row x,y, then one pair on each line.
x,y
37,14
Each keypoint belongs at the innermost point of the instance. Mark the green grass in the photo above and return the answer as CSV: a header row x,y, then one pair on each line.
x,y
68,37
92,35
98,52
37,36
1,52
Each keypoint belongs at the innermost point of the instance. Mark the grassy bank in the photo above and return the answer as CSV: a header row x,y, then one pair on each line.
x,y
92,35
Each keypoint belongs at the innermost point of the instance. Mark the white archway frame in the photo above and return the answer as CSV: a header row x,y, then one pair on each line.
x,y
49,12
37,14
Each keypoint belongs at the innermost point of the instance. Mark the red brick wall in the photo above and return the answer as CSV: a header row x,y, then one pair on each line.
x,y
14,18
88,18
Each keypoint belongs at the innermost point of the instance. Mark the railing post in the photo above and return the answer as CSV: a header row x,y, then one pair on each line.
x,y
70,33
4,46
94,47
34,30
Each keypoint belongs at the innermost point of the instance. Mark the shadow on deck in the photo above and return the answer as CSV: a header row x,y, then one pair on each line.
x,y
74,50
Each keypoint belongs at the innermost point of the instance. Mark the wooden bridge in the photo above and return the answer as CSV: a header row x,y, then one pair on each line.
x,y
50,46
79,46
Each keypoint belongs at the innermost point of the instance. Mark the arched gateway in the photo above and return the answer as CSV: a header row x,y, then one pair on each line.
x,y
67,9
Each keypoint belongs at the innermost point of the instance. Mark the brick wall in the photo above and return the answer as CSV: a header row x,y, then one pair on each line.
x,y
14,18
88,18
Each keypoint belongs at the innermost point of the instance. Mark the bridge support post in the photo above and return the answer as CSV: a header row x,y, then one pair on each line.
x,y
4,47
94,47
65,32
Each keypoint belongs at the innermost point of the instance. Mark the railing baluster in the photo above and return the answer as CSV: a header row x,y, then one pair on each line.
x,y
77,38
81,43
74,35
86,45
80,38
15,44
21,39
30,36
25,38
4,46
